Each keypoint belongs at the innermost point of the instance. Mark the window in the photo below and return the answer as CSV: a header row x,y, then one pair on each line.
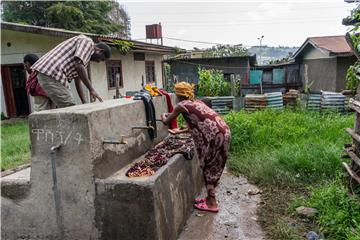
x,y
113,69
139,56
150,72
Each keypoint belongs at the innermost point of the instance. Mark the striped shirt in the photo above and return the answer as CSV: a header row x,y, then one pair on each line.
x,y
60,62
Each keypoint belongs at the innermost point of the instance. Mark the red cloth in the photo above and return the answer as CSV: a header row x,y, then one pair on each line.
x,y
33,86
173,123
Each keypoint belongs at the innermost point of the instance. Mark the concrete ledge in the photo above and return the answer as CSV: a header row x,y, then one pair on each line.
x,y
154,207
16,186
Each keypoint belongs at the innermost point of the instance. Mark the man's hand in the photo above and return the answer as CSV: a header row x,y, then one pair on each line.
x,y
94,96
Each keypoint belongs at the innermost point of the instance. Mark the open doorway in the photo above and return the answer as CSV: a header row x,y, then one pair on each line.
x,y
16,97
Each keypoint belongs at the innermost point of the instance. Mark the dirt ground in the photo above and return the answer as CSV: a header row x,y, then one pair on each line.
x,y
236,219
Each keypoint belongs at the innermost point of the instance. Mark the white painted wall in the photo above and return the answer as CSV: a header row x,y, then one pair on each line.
x,y
133,71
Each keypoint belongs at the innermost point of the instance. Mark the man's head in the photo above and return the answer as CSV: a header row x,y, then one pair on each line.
x,y
29,60
102,51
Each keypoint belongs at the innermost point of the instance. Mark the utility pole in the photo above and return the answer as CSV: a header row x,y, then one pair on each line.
x,y
260,39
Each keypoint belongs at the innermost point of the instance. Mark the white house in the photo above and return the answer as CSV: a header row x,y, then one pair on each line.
x,y
143,64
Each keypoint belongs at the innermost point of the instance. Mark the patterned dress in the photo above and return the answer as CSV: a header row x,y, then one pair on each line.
x,y
211,137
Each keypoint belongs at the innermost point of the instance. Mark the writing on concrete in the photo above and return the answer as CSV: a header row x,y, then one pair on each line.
x,y
49,136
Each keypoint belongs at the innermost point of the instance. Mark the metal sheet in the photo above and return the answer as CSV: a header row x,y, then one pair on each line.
x,y
255,76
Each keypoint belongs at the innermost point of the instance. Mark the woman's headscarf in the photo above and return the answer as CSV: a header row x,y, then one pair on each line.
x,y
185,89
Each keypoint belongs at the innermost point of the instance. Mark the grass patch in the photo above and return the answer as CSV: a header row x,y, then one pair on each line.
x,y
15,142
285,153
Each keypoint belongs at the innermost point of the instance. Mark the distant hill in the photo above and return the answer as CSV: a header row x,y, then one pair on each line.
x,y
271,53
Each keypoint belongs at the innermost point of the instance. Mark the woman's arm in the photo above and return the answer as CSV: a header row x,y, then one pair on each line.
x,y
167,118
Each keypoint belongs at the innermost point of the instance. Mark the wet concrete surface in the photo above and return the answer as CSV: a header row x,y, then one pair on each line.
x,y
236,219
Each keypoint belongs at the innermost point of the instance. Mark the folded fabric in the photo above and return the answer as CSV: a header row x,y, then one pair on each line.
x,y
33,86
173,123
160,155
150,112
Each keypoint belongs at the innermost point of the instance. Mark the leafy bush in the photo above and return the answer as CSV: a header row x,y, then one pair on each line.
x,y
287,148
339,215
212,83
351,80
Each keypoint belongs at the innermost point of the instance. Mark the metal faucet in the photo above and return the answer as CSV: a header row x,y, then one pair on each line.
x,y
144,127
110,141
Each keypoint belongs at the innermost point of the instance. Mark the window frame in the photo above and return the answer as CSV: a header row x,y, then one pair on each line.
x,y
114,64
152,63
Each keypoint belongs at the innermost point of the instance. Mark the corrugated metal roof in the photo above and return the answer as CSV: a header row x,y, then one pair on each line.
x,y
67,34
333,45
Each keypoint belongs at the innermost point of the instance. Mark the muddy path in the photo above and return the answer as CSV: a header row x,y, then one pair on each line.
x,y
237,216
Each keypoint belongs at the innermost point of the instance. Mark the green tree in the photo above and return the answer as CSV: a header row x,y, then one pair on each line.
x,y
85,16
353,37
226,51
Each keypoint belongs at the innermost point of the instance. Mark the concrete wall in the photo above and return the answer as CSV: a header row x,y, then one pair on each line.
x,y
82,161
24,43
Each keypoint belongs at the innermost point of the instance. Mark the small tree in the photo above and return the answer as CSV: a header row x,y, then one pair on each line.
x,y
226,51
212,83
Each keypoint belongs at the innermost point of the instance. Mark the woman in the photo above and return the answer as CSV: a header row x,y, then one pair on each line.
x,y
211,137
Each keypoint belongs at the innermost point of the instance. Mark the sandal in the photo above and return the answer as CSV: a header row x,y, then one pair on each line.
x,y
204,207
200,200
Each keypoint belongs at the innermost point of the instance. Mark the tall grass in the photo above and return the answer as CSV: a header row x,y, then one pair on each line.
x,y
292,153
287,147
14,144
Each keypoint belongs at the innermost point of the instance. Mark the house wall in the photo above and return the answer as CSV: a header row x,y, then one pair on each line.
x,y
314,53
132,71
322,72
188,70
24,43
343,63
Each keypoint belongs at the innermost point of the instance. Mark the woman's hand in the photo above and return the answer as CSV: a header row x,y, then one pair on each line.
x,y
164,116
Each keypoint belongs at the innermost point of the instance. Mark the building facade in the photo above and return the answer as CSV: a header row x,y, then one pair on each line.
x,y
143,64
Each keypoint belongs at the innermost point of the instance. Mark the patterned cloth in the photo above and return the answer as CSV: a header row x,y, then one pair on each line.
x,y
59,63
33,87
160,154
211,137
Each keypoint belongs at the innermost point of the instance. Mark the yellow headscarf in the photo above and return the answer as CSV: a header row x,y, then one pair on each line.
x,y
185,89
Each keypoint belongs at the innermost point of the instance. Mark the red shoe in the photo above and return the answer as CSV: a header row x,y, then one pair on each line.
x,y
204,207
200,200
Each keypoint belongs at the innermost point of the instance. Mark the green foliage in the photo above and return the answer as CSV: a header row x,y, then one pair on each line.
x,y
85,16
339,215
123,46
212,83
287,148
14,144
351,80
287,152
225,51
3,117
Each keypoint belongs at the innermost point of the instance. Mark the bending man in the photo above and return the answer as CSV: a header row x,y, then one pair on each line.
x,y
68,61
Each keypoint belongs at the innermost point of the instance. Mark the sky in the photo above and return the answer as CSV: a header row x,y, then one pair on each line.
x,y
284,23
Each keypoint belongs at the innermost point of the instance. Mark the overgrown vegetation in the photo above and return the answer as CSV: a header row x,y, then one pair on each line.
x,y
287,152
101,17
212,83
351,80
15,144
225,51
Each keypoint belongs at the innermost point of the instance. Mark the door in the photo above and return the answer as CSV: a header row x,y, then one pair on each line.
x,y
16,98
